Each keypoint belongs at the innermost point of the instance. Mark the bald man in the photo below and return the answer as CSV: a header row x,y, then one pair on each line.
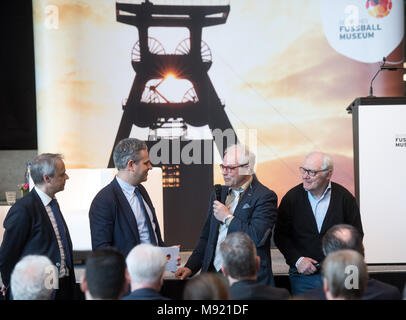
x,y
305,213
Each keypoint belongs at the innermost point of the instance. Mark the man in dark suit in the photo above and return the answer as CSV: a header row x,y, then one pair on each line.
x,y
34,225
146,266
344,236
248,207
240,266
122,215
305,213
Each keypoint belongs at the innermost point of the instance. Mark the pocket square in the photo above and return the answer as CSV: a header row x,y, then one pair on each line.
x,y
246,206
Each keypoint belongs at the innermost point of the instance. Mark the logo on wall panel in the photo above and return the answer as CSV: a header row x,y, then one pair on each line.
x,y
400,141
363,30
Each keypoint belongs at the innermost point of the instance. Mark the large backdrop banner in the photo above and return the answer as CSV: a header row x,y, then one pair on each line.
x,y
280,74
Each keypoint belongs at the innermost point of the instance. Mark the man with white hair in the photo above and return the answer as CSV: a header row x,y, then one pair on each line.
x,y
305,213
33,277
146,266
245,206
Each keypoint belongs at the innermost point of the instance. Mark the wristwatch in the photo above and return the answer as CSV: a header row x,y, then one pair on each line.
x,y
228,219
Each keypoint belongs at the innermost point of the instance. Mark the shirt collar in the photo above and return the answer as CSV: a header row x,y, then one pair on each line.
x,y
125,185
46,199
243,188
324,193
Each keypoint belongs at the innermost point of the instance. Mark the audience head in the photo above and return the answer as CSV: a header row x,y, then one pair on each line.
x,y
316,171
105,276
342,236
239,254
345,275
146,266
32,278
48,172
206,286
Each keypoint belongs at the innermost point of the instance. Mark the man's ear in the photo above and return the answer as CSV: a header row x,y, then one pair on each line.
x,y
258,262
46,178
224,270
326,289
83,284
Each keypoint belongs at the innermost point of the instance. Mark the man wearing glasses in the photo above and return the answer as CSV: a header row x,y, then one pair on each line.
x,y
305,213
246,206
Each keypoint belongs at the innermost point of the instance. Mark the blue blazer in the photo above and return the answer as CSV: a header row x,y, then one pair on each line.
x,y
255,215
28,230
112,221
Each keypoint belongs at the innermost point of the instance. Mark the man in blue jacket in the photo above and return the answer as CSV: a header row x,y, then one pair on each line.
x,y
122,215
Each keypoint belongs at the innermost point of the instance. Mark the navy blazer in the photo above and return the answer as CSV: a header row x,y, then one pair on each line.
x,y
112,221
144,294
28,230
255,215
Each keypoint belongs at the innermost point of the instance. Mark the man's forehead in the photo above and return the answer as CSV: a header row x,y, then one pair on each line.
x,y
314,160
231,157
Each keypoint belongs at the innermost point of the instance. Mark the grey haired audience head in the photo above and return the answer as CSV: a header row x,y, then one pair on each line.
x,y
126,150
206,286
146,264
239,255
44,164
32,278
345,275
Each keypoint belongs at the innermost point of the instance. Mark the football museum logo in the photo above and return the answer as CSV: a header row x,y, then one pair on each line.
x,y
363,30
353,27
400,141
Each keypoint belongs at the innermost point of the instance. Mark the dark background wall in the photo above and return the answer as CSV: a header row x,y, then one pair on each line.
x,y
18,128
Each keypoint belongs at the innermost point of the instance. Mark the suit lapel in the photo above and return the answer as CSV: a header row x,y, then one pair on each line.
x,y
41,208
246,197
125,208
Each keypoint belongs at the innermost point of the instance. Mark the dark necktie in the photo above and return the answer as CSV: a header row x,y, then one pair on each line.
x,y
59,222
147,220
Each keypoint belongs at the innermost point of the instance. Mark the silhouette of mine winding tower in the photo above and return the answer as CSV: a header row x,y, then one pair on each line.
x,y
187,187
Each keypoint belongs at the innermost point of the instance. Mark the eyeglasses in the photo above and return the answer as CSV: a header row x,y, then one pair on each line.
x,y
311,173
229,168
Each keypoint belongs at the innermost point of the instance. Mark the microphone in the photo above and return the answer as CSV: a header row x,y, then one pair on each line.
x,y
217,190
382,67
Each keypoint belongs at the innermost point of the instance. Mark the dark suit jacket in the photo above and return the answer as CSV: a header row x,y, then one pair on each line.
x,y
255,215
375,290
28,230
252,290
296,232
112,221
144,294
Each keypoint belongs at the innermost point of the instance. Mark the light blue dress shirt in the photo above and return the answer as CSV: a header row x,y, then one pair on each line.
x,y
320,206
132,199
